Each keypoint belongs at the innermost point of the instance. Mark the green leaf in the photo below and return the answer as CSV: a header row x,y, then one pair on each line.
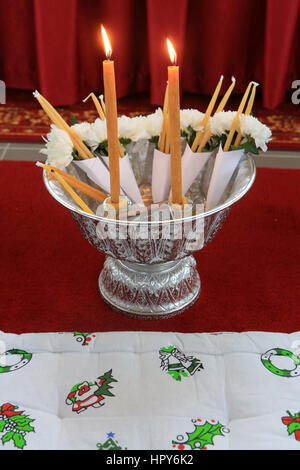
x,y
75,154
293,427
26,428
23,423
203,435
154,139
191,135
177,374
124,141
76,333
103,148
167,350
248,146
73,120
7,437
2,424
19,440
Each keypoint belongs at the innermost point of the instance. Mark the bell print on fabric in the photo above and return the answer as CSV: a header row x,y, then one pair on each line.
x,y
177,364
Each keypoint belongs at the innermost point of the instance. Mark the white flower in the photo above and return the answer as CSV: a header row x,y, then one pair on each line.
x,y
59,148
221,122
140,128
191,118
99,129
87,134
126,127
154,122
253,127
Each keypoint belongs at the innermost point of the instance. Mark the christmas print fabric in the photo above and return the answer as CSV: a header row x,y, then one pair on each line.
x,y
149,390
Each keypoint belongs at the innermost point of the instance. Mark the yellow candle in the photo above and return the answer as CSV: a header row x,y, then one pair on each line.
x,y
208,112
83,187
174,126
162,138
72,193
225,98
220,108
111,120
102,104
97,105
56,118
236,120
247,112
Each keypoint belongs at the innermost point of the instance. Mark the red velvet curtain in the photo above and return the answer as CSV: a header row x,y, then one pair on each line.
x,y
55,45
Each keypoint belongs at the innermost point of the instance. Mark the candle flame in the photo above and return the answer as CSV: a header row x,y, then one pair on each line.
x,y
107,45
172,52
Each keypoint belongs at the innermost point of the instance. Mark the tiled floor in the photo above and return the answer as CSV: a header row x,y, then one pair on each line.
x,y
27,152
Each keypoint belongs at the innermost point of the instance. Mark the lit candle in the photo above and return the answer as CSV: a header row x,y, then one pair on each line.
x,y
111,120
174,126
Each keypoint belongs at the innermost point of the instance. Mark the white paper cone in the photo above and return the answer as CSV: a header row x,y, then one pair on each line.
x,y
96,171
127,180
161,176
192,163
225,164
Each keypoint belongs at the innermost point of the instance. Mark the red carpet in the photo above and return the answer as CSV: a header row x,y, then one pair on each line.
x,y
23,120
250,273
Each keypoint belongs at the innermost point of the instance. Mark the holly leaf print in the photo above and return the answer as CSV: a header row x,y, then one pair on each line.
x,y
2,424
7,437
204,434
293,427
19,440
23,423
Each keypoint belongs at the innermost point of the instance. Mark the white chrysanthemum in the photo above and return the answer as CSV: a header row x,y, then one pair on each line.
x,y
87,134
126,127
260,133
221,122
99,129
140,128
59,148
154,122
191,118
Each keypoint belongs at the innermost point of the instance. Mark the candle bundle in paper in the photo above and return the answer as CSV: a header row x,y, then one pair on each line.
x,y
228,156
60,151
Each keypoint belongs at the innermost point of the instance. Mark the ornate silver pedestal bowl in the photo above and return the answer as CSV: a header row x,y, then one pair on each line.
x,y
150,271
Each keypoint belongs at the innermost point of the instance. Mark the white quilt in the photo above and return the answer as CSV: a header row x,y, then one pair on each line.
x,y
149,390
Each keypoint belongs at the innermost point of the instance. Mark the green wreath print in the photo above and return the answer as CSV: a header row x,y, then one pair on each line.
x,y
24,359
266,360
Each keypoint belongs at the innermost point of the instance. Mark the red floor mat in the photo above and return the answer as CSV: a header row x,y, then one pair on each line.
x,y
250,273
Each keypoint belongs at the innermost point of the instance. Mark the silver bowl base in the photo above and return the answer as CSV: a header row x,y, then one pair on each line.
x,y
150,292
